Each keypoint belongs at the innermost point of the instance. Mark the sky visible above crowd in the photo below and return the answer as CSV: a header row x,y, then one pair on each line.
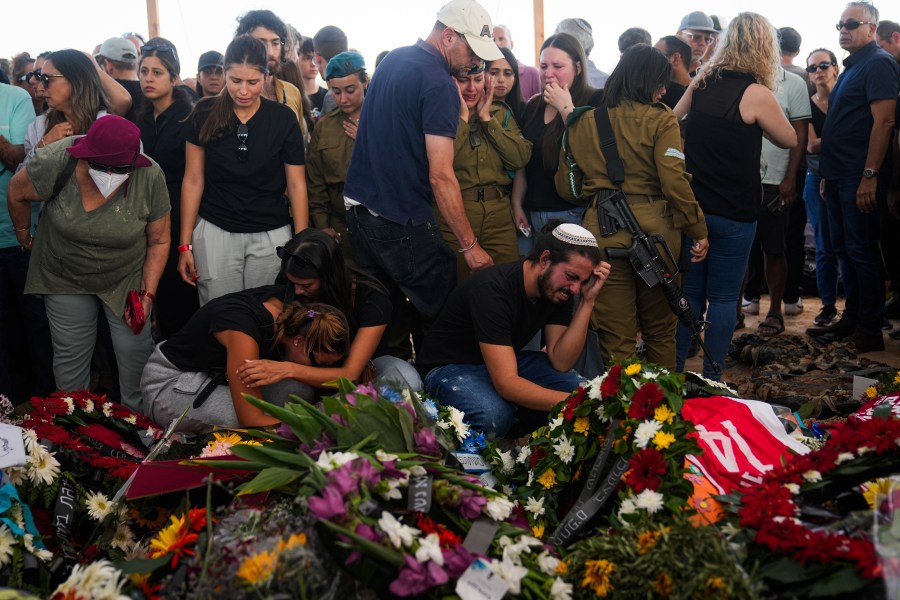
x,y
196,26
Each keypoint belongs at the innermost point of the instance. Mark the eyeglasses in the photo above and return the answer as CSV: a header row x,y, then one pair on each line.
x,y
212,70
27,77
134,34
111,169
45,78
822,65
698,36
242,135
851,24
159,48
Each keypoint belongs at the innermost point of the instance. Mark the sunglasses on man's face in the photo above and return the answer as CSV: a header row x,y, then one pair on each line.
x,y
851,24
111,169
822,65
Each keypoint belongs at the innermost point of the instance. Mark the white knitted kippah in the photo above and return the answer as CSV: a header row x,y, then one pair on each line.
x,y
575,235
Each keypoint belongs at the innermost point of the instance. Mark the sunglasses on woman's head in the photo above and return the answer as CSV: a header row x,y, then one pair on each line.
x,y
822,65
159,48
851,24
242,135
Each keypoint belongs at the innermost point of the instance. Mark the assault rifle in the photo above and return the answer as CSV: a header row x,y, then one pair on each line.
x,y
614,213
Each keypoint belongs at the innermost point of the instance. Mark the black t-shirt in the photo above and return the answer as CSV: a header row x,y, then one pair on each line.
x,y
489,307
540,194
133,87
318,98
248,197
674,92
195,348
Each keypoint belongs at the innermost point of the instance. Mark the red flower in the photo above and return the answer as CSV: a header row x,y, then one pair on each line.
x,y
446,538
537,455
612,382
196,519
573,402
645,401
647,468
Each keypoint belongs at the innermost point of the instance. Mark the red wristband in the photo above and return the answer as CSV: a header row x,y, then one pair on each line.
x,y
185,247
149,295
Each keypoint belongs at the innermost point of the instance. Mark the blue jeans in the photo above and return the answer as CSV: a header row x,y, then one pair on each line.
x,y
712,288
854,237
826,259
414,258
469,388
539,218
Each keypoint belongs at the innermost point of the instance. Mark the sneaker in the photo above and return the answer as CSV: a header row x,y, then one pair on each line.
x,y
826,316
839,329
793,309
750,307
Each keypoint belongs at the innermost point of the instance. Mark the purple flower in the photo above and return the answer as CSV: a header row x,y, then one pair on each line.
x,y
285,431
416,578
470,504
365,471
340,420
457,561
329,505
342,480
426,443
323,443
363,390
364,531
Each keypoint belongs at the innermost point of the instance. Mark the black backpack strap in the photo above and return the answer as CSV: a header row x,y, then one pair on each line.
x,y
63,177
614,165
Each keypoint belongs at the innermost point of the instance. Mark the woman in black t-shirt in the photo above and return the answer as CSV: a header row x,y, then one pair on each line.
x,y
243,154
313,266
196,366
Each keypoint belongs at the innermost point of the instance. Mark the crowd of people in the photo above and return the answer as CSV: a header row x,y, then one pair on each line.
x,y
441,219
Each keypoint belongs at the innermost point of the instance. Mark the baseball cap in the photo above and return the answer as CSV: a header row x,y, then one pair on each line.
x,y
210,58
118,49
698,21
111,141
469,19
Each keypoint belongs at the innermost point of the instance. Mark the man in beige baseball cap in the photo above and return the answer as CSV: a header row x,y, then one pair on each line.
x,y
470,20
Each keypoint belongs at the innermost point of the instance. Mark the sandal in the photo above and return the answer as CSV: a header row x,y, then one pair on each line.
x,y
771,325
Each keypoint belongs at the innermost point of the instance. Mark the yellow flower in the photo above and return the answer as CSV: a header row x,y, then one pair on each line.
x,y
879,487
663,584
538,531
296,539
715,583
582,424
258,568
871,392
168,537
547,479
562,568
647,540
897,379
663,440
663,414
597,574
634,369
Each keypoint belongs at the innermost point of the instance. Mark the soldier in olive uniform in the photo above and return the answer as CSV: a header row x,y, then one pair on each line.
x,y
488,149
659,194
331,145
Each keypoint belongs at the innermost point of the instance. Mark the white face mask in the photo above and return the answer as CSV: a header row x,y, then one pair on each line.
x,y
107,182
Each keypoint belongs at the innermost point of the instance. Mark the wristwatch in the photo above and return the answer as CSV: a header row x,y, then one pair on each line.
x,y
869,173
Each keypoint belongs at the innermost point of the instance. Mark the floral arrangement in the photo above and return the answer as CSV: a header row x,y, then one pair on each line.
x,y
828,555
633,411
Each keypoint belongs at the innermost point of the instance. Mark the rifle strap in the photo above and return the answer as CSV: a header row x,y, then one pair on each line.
x,y
63,178
615,168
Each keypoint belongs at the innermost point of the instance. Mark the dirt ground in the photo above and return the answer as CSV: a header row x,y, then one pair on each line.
x,y
828,384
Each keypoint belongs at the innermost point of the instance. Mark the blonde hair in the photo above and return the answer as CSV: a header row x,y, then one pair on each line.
x,y
749,45
324,327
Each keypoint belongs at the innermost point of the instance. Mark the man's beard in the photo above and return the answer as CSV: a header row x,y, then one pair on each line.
x,y
546,289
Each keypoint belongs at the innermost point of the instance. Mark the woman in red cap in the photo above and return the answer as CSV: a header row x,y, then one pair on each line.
x,y
104,234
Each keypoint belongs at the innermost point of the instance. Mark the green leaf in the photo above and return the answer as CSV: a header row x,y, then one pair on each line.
x,y
842,581
288,417
144,565
272,456
382,552
233,465
269,479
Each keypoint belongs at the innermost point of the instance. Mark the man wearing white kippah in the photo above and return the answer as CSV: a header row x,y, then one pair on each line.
x,y
472,356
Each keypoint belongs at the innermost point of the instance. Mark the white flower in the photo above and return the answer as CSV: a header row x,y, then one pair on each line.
x,y
88,406
457,419
506,462
97,505
594,387
123,538
41,554
15,475
649,375
131,419
30,438
399,534
389,489
43,469
560,590
535,507
547,563
384,456
498,508
556,423
430,549
564,449
328,461
530,477
793,488
645,432
628,507
812,476
418,471
70,404
505,489
107,409
650,501
524,455
510,572
96,580
601,414
844,457
863,450
7,542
